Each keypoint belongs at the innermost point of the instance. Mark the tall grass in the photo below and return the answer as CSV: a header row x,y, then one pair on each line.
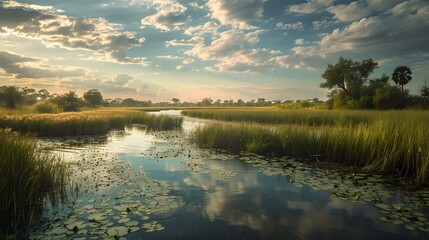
x,y
397,145
84,123
278,116
26,177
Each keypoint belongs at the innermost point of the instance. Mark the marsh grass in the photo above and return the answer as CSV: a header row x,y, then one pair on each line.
x,y
27,176
85,123
396,143
278,116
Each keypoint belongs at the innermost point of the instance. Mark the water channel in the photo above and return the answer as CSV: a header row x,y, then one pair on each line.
x,y
135,184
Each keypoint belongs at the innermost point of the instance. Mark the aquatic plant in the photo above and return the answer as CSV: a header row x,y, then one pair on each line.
x,y
85,123
396,145
27,175
279,116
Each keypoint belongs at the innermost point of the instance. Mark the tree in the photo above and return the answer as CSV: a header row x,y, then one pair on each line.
x,y
93,97
175,100
69,102
401,76
11,96
349,76
207,101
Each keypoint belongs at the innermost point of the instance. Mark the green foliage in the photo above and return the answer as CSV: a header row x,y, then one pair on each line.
x,y
394,142
46,107
348,76
69,102
27,175
275,116
401,76
11,96
85,123
93,97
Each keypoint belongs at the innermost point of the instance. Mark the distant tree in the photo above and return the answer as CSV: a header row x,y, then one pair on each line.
x,y
175,100
401,76
11,96
240,102
424,91
349,76
69,102
207,101
93,97
260,102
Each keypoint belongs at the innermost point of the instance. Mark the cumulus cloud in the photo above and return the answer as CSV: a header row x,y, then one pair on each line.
x,y
237,13
170,15
207,27
25,67
310,6
54,29
399,32
232,53
350,12
293,26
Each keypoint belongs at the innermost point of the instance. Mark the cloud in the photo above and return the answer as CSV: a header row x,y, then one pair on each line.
x,y
188,61
25,67
179,67
185,42
121,79
237,13
57,30
400,32
293,26
170,16
299,41
350,12
232,53
169,57
208,27
310,6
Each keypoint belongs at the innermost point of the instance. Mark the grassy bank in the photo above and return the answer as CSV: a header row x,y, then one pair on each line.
x,y
396,143
26,177
278,116
85,123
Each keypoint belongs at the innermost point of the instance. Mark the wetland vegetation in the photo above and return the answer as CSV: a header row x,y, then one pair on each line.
x,y
393,142
27,176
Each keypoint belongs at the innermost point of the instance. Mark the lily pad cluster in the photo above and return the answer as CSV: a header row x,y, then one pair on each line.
x,y
352,186
108,199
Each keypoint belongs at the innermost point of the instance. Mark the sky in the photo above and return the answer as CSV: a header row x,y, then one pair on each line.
x,y
223,49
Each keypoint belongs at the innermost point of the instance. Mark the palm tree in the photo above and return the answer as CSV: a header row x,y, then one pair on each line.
x,y
401,76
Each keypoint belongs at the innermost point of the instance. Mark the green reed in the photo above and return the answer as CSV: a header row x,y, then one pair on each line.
x,y
85,123
27,176
397,142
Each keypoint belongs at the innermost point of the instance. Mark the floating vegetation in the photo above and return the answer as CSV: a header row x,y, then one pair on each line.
x,y
86,123
109,200
345,184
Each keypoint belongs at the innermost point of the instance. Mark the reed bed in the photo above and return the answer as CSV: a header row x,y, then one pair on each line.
x,y
85,123
396,143
27,176
278,116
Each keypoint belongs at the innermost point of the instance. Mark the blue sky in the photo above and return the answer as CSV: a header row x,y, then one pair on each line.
x,y
223,49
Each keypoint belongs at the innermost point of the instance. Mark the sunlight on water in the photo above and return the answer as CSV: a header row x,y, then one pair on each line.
x,y
157,185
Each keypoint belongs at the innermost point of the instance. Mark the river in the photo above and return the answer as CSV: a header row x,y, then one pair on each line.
x,y
138,184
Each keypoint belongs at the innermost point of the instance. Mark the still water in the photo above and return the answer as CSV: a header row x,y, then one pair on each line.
x,y
135,184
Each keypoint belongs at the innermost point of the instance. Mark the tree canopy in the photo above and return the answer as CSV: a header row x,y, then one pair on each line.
x,y
401,76
11,96
348,75
93,97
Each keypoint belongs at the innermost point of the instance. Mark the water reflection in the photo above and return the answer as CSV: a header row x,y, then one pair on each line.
x,y
160,180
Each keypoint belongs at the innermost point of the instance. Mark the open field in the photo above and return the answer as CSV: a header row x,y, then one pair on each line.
x,y
394,142
86,122
26,177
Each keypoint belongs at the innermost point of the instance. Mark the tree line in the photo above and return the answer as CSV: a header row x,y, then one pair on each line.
x,y
350,82
353,88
